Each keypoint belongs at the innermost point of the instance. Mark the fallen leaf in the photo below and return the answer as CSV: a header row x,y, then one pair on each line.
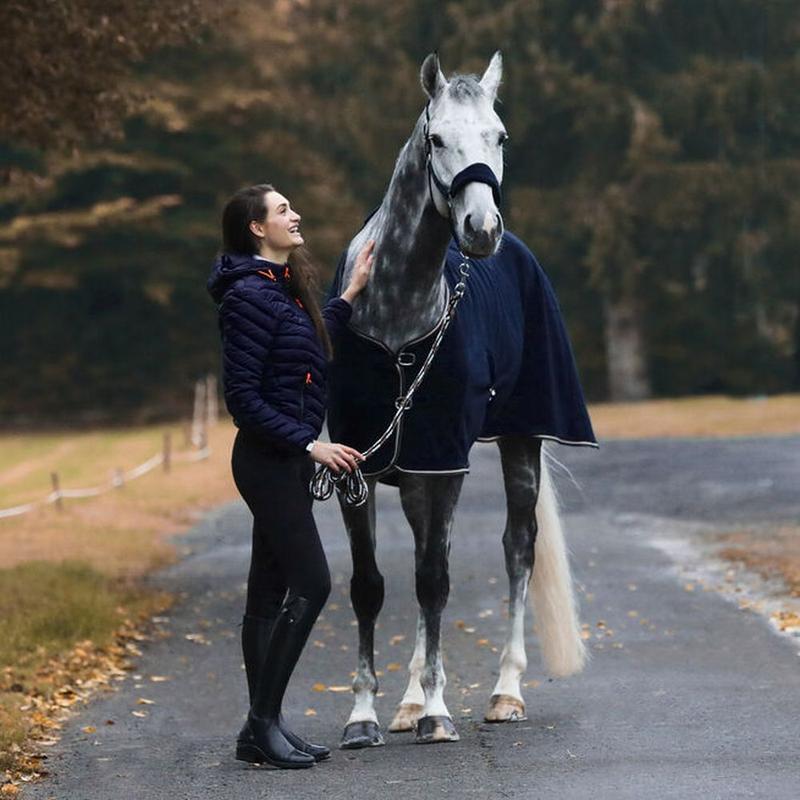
x,y
397,638
482,642
339,688
143,701
9,790
89,729
139,713
394,667
310,712
159,678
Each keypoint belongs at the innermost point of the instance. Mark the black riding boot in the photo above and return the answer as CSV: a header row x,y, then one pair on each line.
x,y
266,743
256,632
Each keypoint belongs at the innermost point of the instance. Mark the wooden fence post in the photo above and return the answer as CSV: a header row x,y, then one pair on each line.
x,y
167,455
199,412
59,503
212,400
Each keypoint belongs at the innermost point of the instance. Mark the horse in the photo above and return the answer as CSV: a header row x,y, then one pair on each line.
x,y
440,221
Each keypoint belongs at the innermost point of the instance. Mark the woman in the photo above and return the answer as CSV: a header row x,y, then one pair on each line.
x,y
276,344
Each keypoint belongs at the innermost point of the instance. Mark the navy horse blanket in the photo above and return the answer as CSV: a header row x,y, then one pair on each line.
x,y
505,367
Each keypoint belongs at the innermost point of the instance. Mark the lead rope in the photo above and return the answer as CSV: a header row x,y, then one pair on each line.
x,y
351,485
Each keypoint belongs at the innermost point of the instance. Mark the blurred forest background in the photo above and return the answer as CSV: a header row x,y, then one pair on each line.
x,y
653,167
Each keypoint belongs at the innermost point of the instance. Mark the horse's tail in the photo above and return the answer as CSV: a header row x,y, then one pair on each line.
x,y
551,591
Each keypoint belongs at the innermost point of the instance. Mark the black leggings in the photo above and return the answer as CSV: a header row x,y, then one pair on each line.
x,y
287,553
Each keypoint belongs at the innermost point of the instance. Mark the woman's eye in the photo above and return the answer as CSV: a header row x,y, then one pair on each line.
x,y
436,140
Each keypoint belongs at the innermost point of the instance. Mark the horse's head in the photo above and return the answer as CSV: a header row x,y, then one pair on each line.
x,y
465,140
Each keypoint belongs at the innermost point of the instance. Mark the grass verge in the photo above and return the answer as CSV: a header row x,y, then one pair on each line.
x,y
63,631
711,416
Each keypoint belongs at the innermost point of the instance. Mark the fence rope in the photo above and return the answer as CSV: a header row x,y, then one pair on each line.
x,y
119,479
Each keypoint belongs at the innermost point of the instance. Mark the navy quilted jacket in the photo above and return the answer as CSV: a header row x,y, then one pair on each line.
x,y
274,367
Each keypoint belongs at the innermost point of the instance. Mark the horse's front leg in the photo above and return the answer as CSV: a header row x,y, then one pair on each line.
x,y
429,502
521,472
366,594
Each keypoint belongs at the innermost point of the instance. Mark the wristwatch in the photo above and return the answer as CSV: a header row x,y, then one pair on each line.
x,y
310,445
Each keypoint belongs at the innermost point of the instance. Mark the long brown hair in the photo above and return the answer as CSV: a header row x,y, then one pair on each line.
x,y
250,204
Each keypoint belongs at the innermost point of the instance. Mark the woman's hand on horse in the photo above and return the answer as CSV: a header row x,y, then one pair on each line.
x,y
361,271
336,456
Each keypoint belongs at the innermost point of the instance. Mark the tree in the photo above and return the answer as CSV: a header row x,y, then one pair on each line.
x,y
66,63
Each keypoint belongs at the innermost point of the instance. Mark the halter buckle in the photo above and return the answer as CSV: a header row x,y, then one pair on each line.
x,y
403,402
406,359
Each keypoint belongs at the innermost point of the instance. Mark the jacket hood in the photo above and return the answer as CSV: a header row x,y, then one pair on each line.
x,y
229,267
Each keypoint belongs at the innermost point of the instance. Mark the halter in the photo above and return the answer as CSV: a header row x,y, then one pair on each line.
x,y
477,172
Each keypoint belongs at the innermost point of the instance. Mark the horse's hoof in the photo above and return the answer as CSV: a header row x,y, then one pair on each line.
x,y
405,718
436,729
361,734
505,708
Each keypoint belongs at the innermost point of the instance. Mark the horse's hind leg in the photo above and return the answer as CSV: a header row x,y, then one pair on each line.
x,y
366,593
429,502
521,473
410,708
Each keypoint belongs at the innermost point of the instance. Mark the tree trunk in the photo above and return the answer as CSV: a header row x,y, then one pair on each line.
x,y
625,351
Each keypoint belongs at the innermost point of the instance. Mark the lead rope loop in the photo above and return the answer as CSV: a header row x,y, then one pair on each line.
x,y
351,485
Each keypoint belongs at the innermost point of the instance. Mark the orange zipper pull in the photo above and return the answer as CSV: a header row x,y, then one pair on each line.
x,y
308,377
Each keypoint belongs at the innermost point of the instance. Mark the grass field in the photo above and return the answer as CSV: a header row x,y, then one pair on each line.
x,y
69,599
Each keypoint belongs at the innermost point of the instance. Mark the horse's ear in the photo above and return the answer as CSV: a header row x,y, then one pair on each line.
x,y
493,75
433,81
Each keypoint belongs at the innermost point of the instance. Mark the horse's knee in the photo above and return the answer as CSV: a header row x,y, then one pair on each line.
x,y
366,592
433,584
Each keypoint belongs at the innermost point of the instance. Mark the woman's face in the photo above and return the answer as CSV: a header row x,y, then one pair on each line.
x,y
280,231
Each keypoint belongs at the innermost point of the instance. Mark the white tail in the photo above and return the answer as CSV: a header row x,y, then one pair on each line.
x,y
550,589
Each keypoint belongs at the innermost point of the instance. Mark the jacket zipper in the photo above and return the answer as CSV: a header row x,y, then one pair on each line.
x,y
306,382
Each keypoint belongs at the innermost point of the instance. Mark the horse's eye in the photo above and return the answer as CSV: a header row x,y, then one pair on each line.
x,y
502,139
436,140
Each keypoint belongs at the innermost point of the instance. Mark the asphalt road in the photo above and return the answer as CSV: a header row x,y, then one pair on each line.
x,y
686,696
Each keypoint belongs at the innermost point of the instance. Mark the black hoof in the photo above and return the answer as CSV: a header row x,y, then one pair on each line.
x,y
436,729
361,734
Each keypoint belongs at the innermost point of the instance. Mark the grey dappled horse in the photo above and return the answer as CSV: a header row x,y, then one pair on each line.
x,y
404,300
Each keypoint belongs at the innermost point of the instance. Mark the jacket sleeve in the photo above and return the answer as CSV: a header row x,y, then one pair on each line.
x,y
248,322
336,314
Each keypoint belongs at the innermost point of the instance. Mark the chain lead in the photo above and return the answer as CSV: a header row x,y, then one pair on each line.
x,y
351,485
